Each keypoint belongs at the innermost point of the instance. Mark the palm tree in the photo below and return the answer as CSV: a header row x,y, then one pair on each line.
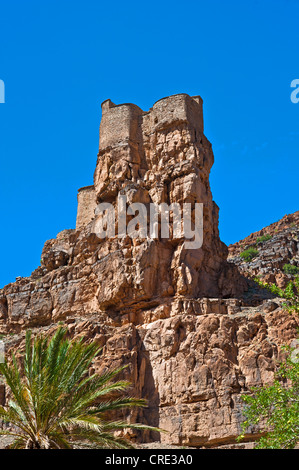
x,y
56,404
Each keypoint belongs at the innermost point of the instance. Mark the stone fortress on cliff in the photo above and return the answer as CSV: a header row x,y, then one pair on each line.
x,y
175,317
163,156
128,127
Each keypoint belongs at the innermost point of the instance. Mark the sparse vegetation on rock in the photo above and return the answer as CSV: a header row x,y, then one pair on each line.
x,y
276,407
248,254
290,293
263,238
291,269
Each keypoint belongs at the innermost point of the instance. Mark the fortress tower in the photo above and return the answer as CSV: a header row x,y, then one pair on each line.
x,y
126,137
157,156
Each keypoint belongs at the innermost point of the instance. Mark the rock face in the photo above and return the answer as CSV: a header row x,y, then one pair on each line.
x,y
162,156
181,319
279,247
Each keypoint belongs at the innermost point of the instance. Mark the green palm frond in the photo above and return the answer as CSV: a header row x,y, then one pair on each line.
x,y
57,404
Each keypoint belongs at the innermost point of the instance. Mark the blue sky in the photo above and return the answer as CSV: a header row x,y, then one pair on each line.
x,y
60,59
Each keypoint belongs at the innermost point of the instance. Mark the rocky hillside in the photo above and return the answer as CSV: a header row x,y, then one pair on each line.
x,y
194,332
276,255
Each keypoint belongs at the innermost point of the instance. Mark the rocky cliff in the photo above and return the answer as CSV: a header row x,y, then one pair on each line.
x,y
193,331
276,246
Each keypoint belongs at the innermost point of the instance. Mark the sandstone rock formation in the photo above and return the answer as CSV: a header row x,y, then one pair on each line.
x,y
193,338
161,156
